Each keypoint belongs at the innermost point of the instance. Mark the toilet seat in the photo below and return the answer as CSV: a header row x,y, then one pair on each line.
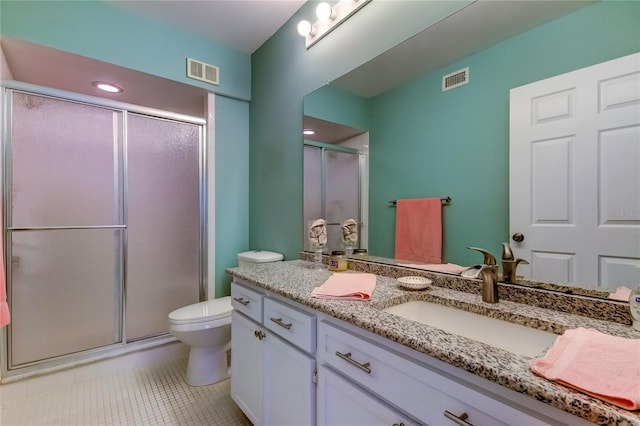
x,y
210,310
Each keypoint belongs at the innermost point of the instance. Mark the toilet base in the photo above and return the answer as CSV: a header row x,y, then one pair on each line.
x,y
207,366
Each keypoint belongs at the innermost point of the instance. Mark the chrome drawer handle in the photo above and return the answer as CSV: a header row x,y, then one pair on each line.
x,y
241,301
398,424
280,323
459,420
347,357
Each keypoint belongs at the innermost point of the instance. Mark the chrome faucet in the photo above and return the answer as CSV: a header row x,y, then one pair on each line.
x,y
489,274
509,264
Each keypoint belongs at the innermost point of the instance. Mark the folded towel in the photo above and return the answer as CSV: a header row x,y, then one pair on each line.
x,y
5,317
603,366
419,230
621,293
449,268
346,286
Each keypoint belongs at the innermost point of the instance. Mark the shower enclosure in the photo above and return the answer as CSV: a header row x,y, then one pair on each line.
x,y
104,208
333,187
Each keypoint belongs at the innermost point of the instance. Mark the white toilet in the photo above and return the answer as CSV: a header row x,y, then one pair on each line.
x,y
206,328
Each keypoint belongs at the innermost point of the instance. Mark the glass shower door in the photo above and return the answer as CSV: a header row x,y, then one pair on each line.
x,y
163,221
331,190
342,193
65,227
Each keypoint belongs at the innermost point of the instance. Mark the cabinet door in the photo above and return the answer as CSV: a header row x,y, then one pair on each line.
x,y
246,366
289,391
340,402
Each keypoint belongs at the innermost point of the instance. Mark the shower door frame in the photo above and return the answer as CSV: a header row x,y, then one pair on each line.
x,y
123,346
361,220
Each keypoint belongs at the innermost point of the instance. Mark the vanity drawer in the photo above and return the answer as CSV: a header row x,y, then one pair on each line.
x,y
295,326
247,301
416,389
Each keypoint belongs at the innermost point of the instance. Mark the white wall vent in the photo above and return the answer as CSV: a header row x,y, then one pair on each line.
x,y
202,71
455,79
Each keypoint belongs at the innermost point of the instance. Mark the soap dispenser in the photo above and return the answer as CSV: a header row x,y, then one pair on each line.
x,y
634,306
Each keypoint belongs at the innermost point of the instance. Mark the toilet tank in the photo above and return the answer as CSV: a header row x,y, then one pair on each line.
x,y
258,256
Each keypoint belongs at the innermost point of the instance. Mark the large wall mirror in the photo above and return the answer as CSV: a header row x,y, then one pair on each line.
x,y
426,142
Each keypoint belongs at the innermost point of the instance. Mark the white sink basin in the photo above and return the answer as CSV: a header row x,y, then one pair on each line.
x,y
512,337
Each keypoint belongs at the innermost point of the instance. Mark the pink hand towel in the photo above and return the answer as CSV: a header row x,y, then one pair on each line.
x,y
419,230
449,268
346,286
621,293
603,366
5,318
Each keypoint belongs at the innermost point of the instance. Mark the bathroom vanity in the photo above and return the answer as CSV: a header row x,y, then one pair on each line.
x,y
301,360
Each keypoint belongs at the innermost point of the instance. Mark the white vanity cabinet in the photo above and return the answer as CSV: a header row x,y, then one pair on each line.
x,y
272,368
247,337
341,402
411,387
247,366
362,378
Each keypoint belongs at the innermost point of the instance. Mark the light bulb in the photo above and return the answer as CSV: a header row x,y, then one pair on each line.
x,y
324,11
107,87
308,132
304,28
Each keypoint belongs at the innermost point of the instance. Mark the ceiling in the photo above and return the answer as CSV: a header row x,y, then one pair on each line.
x,y
328,131
240,24
243,25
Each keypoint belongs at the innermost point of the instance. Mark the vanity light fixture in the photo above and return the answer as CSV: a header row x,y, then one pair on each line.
x,y
305,29
328,19
324,11
107,87
308,132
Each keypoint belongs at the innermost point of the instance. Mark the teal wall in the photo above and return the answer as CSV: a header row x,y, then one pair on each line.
x,y
332,104
232,186
282,73
97,30
423,142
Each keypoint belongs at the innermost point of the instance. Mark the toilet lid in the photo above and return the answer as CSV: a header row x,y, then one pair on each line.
x,y
202,311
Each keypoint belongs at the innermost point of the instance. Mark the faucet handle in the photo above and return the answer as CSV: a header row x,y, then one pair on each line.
x,y
489,259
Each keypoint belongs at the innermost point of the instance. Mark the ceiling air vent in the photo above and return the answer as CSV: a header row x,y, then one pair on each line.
x,y
455,79
202,71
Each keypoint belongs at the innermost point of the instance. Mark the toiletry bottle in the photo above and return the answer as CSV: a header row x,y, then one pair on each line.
x,y
634,305
338,261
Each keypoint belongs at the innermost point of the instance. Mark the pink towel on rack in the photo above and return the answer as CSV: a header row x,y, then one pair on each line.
x,y
603,366
357,286
419,230
448,268
5,318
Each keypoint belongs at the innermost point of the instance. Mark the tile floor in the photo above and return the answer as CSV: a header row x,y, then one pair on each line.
x,y
145,395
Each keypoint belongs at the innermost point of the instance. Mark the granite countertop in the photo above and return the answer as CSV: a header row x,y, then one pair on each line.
x,y
295,279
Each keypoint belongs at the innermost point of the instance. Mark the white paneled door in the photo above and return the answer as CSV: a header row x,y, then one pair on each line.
x,y
575,175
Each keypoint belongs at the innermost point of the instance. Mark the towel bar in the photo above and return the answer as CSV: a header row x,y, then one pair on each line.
x,y
445,201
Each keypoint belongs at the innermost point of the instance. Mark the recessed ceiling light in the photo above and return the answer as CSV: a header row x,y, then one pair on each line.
x,y
108,87
308,132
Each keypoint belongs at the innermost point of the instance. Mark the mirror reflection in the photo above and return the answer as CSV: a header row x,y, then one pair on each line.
x,y
429,142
